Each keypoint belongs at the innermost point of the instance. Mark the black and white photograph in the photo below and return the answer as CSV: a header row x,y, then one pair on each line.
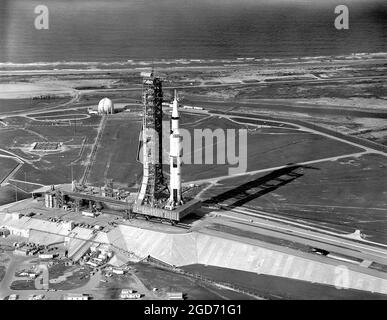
x,y
212,151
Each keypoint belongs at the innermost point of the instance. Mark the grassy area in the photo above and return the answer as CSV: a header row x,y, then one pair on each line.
x,y
258,236
23,285
265,123
10,105
264,150
69,116
117,152
8,194
16,138
58,113
293,90
168,281
273,287
78,279
55,168
26,187
186,118
112,288
341,195
3,270
59,269
59,132
6,167
378,266
52,168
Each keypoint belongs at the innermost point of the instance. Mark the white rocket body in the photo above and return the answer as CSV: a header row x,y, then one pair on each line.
x,y
175,157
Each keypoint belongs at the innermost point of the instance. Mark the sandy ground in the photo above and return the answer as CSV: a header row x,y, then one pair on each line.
x,y
28,90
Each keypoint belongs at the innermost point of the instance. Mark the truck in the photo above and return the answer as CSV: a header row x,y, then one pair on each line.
x,y
89,214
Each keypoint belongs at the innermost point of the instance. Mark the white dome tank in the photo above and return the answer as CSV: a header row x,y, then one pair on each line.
x,y
105,106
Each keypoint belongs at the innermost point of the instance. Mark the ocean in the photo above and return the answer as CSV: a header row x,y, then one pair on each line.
x,y
121,30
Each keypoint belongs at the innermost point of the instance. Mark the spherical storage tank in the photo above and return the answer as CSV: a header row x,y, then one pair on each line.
x,y
105,106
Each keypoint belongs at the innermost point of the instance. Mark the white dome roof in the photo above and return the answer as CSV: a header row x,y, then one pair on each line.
x,y
105,106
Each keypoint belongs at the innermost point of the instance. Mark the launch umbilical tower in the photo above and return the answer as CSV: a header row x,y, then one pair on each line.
x,y
153,182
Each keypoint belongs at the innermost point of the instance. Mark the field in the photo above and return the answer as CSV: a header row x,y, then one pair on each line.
x,y
24,187
342,195
117,152
3,270
49,168
168,281
69,116
335,194
8,194
266,148
77,279
13,105
6,167
55,168
272,287
23,285
57,113
116,157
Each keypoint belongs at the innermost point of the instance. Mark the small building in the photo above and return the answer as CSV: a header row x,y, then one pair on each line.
x,y
134,296
33,252
19,231
92,111
175,296
13,297
91,263
76,296
22,251
94,248
129,294
118,271
127,291
104,248
88,214
4,232
102,256
46,256
36,297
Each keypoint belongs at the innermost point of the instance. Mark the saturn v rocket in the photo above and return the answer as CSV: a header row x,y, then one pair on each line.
x,y
175,156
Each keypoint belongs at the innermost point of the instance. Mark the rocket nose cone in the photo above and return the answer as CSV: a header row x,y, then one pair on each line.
x,y
175,111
